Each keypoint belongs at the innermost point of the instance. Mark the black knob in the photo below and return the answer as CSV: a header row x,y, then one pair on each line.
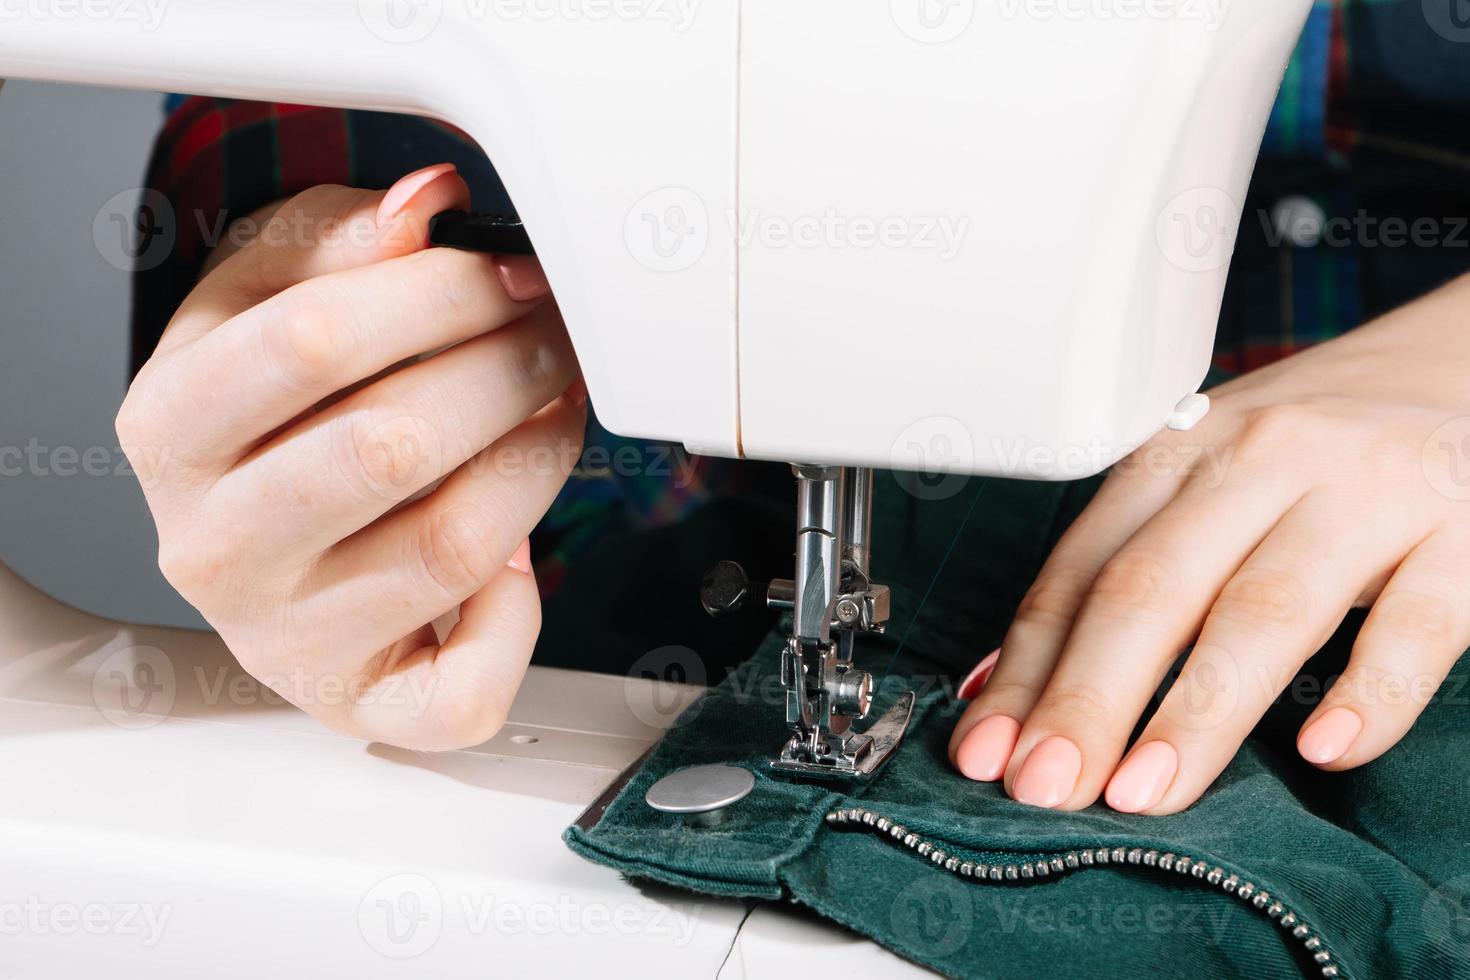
x,y
726,588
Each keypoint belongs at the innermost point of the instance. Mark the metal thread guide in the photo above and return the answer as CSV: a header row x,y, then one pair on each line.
x,y
832,599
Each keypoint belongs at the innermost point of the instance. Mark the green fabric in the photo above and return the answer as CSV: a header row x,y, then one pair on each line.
x,y
1376,860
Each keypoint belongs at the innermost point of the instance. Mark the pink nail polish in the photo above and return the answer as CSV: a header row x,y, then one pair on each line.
x,y
1049,774
986,748
974,682
577,391
1329,737
401,193
522,277
1140,782
521,560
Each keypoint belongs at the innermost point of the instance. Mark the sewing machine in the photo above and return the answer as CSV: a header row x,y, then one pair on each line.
x,y
955,236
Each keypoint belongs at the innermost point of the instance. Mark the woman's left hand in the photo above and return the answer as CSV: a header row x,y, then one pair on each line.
x,y
1338,477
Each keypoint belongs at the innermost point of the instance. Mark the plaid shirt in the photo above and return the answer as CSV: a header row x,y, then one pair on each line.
x,y
1371,130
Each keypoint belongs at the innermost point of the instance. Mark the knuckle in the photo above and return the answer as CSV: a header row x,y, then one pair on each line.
x,y
1131,583
999,691
304,339
1264,596
1389,459
320,201
141,417
1277,425
451,284
193,567
453,550
136,422
1417,617
1053,599
1077,703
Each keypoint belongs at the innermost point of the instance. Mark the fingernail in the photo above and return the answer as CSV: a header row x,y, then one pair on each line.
x,y
1328,738
521,560
522,277
576,392
985,750
1049,773
975,682
1141,781
401,193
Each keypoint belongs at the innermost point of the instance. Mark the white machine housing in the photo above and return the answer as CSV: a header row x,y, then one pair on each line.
x,y
984,236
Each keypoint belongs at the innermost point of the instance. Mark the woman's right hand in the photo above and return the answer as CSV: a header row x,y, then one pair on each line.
x,y
292,431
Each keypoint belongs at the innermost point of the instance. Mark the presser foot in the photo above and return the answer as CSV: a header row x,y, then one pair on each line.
x,y
821,754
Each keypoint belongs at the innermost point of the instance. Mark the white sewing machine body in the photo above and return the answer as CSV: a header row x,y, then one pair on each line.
x,y
165,815
980,236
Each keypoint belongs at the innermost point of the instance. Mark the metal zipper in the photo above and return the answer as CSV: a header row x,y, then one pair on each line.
x,y
1182,864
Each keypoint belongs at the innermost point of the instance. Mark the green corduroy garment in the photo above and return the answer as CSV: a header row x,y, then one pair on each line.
x,y
1375,861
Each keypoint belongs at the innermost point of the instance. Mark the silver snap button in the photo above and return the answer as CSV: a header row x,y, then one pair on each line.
x,y
1299,220
700,794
